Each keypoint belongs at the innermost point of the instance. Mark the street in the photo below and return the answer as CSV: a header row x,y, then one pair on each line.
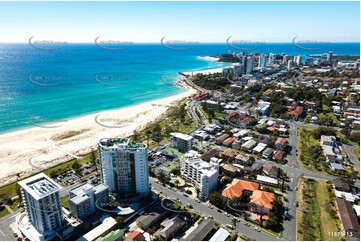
x,y
219,217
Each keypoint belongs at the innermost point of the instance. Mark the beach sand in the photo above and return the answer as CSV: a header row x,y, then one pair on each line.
x,y
31,150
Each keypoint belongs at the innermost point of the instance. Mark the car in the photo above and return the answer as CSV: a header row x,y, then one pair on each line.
x,y
210,216
296,204
218,210
197,200
185,195
210,206
257,229
296,188
247,224
230,226
15,234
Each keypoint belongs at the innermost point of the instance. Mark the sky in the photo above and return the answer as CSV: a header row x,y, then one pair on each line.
x,y
205,22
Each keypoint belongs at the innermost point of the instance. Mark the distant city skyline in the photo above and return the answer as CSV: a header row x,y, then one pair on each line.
x,y
204,22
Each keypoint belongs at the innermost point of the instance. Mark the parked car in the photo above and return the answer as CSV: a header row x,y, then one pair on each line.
x,y
257,229
230,226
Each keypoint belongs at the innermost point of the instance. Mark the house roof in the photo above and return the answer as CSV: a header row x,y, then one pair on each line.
x,y
348,217
209,154
281,141
135,236
229,153
270,169
297,112
262,198
229,168
201,231
278,155
341,185
237,186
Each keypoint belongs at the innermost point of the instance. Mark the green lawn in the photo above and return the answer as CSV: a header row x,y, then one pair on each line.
x,y
335,120
65,202
356,151
4,213
304,141
173,165
317,214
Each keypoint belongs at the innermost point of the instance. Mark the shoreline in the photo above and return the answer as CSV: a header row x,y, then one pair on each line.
x,y
30,150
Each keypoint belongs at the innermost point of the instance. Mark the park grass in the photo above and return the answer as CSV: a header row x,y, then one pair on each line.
x,y
172,165
329,224
314,220
65,201
304,141
4,212
330,116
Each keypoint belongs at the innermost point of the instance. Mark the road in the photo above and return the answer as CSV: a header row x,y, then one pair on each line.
x,y
349,150
219,217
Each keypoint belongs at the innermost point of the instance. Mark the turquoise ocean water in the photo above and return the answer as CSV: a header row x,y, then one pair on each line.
x,y
78,79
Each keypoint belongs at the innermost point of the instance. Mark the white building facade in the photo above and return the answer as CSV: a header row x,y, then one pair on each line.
x,y
200,173
124,166
42,204
182,142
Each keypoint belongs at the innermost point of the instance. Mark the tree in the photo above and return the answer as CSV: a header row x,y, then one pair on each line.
x,y
76,166
161,177
148,133
119,220
136,136
157,133
216,199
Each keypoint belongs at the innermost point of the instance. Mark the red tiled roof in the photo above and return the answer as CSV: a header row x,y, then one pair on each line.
x,y
262,198
281,141
298,110
278,155
237,186
272,129
135,236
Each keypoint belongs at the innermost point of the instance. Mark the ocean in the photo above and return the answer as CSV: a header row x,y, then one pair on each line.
x,y
40,86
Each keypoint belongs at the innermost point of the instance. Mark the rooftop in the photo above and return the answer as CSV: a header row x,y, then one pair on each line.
x,y
39,186
237,186
120,142
262,198
182,136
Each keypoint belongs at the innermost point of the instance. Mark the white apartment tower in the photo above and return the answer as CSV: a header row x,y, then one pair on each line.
x,y
42,204
250,64
262,61
200,173
182,142
124,167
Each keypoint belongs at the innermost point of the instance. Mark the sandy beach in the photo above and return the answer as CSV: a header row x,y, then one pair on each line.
x,y
34,149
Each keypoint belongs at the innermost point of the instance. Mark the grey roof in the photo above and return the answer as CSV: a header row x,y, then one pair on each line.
x,y
201,231
153,214
39,186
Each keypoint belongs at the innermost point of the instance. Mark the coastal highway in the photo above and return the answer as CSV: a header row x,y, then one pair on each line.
x,y
219,217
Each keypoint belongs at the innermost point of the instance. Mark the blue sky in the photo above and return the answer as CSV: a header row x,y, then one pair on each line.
x,y
193,21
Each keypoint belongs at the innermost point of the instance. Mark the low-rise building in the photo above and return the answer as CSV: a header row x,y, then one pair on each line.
x,y
268,153
156,213
182,142
202,174
263,201
170,227
236,188
201,231
84,200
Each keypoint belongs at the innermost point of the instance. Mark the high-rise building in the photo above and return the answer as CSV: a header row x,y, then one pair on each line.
x,y
243,64
85,199
182,142
329,56
250,64
237,69
289,64
262,61
309,61
42,204
298,60
227,72
285,58
124,166
200,173
272,58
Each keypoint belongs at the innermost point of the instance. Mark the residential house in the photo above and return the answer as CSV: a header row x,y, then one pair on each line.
x,y
228,155
280,143
279,155
155,214
249,145
256,168
268,153
229,170
341,185
201,231
170,227
243,160
236,188
270,170
263,201
134,236
209,154
348,217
